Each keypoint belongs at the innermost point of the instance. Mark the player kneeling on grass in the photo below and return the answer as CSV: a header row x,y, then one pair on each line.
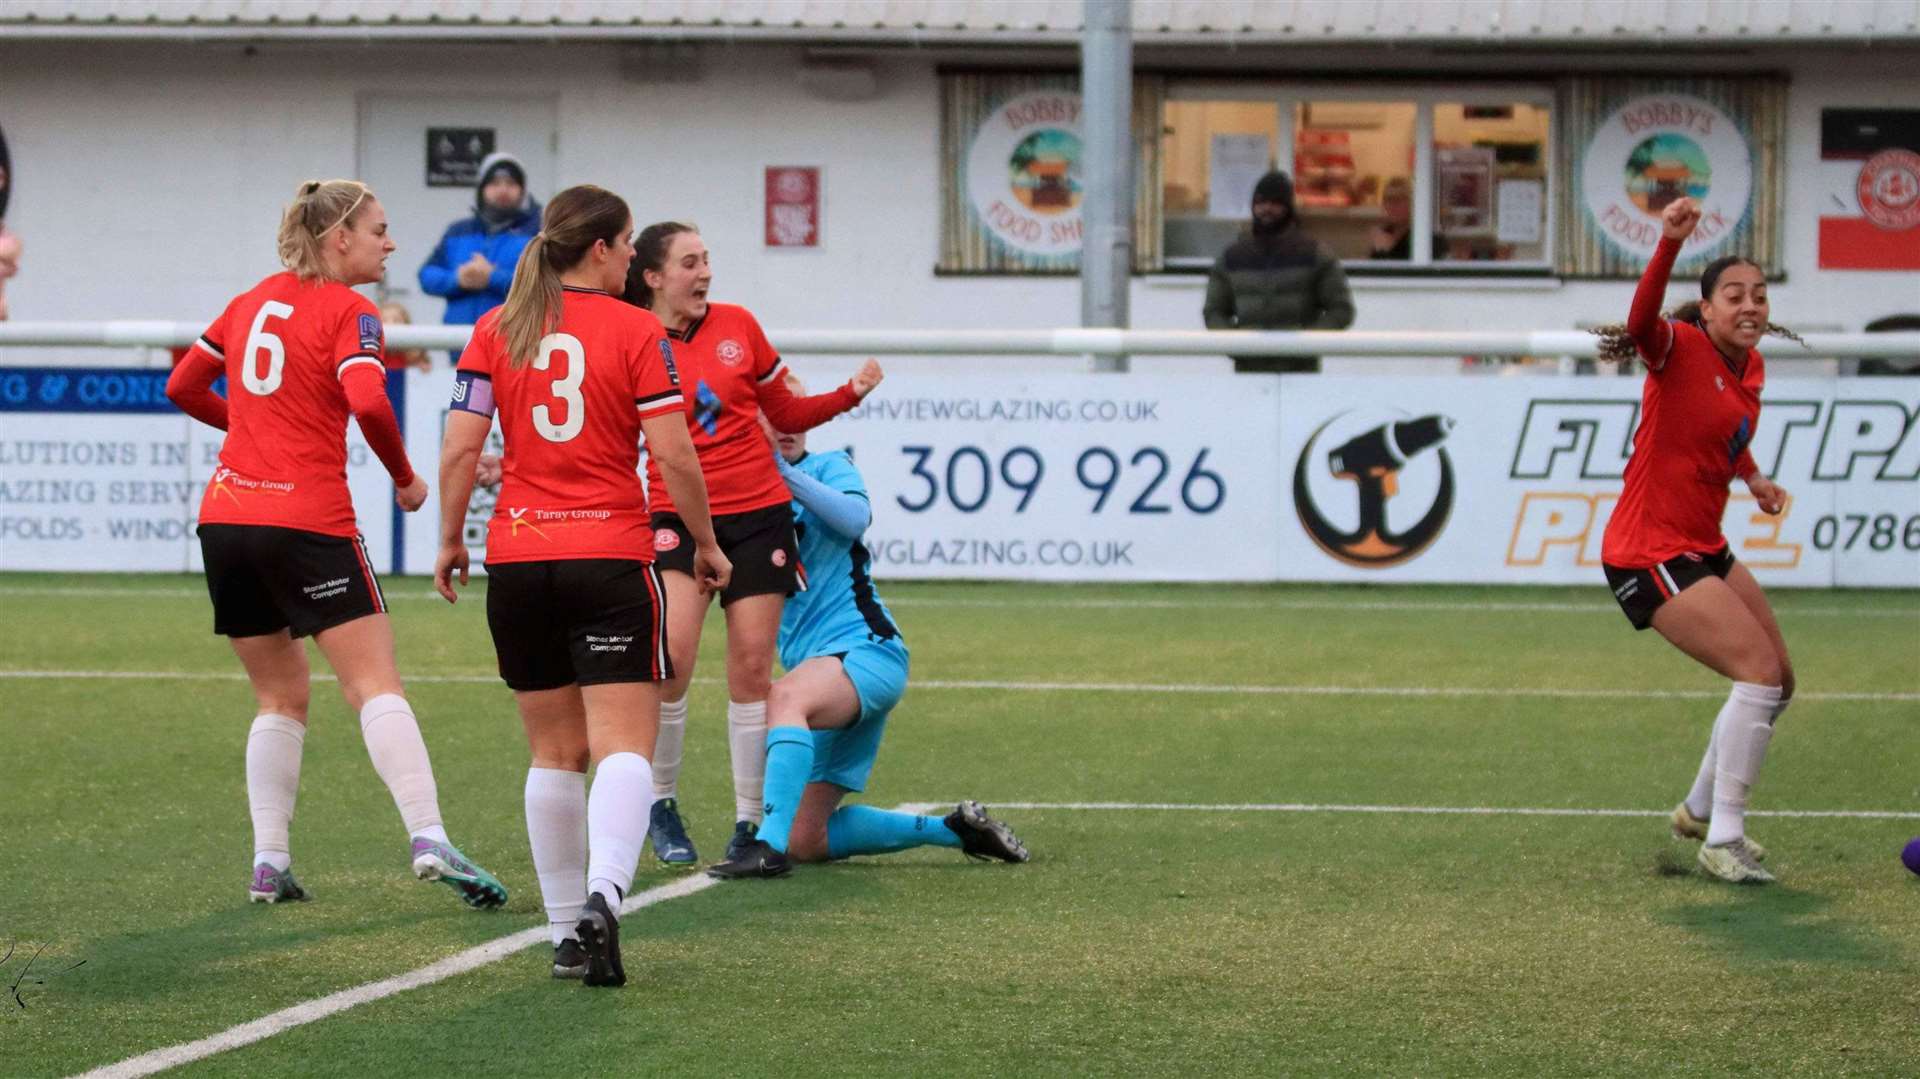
x,y
284,560
577,611
846,669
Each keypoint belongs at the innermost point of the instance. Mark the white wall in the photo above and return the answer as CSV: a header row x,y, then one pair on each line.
x,y
149,180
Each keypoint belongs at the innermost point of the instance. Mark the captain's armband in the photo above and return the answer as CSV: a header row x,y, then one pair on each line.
x,y
472,392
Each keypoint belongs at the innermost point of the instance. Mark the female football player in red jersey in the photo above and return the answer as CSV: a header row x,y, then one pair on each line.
x,y
577,611
1665,557
301,351
731,375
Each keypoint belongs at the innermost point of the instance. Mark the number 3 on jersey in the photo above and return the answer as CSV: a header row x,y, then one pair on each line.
x,y
259,340
566,388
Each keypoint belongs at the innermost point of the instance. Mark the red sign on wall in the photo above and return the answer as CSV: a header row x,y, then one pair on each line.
x,y
793,206
1870,164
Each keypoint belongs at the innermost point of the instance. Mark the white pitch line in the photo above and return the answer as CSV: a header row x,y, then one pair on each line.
x,y
1120,604
1465,811
1219,689
315,1010
1389,691
108,592
500,948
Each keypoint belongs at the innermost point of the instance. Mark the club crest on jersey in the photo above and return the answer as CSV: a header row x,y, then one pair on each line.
x,y
1719,383
666,540
666,357
370,333
730,352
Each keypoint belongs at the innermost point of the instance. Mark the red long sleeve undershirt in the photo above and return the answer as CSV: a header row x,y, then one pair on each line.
x,y
1650,333
792,415
366,387
191,388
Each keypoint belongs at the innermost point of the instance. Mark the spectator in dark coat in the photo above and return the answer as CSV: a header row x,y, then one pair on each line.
x,y
1276,277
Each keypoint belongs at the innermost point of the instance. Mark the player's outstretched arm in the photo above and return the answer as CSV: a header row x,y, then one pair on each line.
x,y
1651,334
843,513
459,452
867,379
797,414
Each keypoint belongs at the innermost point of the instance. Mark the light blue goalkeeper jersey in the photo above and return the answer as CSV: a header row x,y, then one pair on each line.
x,y
839,608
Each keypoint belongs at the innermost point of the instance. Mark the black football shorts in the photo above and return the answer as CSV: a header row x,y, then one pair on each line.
x,y
580,621
1642,591
760,544
264,578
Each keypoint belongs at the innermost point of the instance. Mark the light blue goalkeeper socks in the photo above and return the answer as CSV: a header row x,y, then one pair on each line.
x,y
858,829
789,764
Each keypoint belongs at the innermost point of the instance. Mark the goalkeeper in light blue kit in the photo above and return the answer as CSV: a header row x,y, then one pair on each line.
x,y
846,668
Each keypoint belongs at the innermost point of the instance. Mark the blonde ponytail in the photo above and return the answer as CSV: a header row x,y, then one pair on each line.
x,y
318,207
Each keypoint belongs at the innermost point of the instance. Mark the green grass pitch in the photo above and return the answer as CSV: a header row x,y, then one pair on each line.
x,y
1202,940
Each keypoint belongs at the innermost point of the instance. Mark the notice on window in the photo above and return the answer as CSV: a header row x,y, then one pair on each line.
x,y
1518,206
1234,164
1464,177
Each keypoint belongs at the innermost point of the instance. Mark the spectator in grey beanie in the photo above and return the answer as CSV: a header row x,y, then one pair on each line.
x,y
472,267
1277,277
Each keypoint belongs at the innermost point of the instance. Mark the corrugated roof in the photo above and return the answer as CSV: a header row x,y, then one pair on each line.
x,y
1271,21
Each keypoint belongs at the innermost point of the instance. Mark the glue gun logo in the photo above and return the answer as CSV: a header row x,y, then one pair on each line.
x,y
1375,459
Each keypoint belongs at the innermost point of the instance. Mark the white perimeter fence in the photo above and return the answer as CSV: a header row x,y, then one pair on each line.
x,y
1072,341
997,473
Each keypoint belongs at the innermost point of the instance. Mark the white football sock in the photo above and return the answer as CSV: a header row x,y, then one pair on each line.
x,y
400,756
617,823
1746,726
1700,798
274,746
667,749
557,832
747,736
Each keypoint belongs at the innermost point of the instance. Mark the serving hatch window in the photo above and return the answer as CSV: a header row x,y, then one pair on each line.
x,y
1413,177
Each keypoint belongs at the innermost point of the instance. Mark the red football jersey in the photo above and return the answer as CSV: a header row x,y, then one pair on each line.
x,y
285,345
570,486
729,371
1697,415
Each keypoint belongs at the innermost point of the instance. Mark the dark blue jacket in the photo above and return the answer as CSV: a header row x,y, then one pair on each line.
x,y
502,247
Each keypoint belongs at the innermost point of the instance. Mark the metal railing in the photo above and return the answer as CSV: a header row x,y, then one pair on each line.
x,y
126,333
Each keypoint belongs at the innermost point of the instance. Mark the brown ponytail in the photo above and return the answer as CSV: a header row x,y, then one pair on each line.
x,y
318,207
574,220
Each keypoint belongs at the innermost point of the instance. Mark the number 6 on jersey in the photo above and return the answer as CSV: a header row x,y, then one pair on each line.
x,y
259,340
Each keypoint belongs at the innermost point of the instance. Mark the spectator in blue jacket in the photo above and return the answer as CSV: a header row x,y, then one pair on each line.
x,y
472,267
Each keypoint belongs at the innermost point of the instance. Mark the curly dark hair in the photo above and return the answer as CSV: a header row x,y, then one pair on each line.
x,y
1617,344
